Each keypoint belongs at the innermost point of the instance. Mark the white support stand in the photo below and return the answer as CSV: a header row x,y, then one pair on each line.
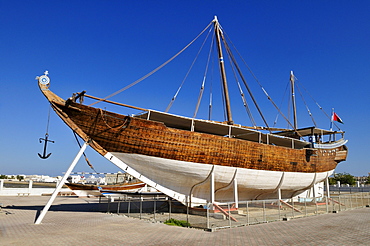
x,y
236,198
279,201
212,186
327,187
60,185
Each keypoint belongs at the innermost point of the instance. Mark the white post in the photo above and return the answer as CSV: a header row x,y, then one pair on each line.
x,y
1,184
30,184
314,191
236,198
60,185
212,191
279,194
279,201
327,187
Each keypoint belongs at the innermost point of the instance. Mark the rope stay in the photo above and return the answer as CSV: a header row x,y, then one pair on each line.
x,y
264,91
187,74
307,108
210,91
318,105
155,70
281,103
86,159
48,122
244,80
245,104
210,106
204,78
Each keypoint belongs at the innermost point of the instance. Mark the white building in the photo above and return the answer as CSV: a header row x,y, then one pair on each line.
x,y
95,180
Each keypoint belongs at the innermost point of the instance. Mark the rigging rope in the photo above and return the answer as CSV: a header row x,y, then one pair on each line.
x,y
204,79
243,79
47,124
187,74
304,102
281,103
263,89
318,105
86,159
240,88
290,106
210,91
155,70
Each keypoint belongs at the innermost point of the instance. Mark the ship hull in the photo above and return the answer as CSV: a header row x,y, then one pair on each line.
x,y
190,184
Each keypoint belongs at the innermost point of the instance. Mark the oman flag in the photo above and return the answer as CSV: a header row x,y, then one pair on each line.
x,y
335,117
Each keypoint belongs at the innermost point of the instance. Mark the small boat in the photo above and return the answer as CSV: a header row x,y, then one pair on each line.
x,y
198,161
128,194
87,190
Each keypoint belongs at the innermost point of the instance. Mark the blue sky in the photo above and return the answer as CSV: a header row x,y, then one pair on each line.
x,y
102,46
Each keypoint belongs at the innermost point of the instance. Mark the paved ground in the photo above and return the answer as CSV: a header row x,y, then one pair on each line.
x,y
75,221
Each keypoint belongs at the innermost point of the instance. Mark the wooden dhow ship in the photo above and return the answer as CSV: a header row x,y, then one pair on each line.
x,y
197,161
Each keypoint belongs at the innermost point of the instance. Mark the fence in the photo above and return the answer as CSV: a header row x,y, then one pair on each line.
x,y
31,189
215,216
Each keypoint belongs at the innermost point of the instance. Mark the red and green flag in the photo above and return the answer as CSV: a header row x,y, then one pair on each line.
x,y
335,117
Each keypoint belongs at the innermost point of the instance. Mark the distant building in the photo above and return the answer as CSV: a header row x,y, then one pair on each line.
x,y
362,179
107,178
115,178
95,180
82,179
74,179
42,178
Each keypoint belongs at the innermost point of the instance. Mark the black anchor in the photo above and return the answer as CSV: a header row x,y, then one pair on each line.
x,y
44,156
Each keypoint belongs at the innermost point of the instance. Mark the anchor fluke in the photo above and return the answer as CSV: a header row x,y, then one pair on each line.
x,y
44,157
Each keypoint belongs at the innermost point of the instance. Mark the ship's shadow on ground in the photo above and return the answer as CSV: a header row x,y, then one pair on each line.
x,y
63,207
104,207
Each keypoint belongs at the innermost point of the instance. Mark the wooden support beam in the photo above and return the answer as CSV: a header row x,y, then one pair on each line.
x,y
287,204
225,212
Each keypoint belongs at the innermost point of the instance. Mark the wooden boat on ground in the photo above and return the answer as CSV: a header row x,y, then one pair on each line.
x,y
196,161
143,192
87,190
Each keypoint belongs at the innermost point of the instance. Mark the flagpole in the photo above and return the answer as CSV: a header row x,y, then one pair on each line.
x,y
331,119
331,123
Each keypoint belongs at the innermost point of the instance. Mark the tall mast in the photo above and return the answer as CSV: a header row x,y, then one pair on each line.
x,y
293,100
218,33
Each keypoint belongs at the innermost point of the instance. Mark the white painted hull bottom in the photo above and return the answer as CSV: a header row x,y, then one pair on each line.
x,y
179,179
